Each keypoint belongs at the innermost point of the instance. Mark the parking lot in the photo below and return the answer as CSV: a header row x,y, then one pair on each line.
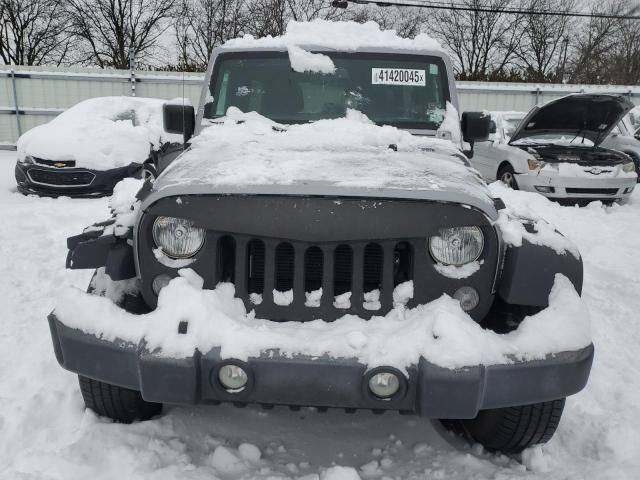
x,y
47,433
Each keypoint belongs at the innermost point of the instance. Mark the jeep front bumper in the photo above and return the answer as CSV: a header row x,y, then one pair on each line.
x,y
428,390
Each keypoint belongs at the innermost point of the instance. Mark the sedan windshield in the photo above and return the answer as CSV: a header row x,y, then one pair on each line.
x,y
407,91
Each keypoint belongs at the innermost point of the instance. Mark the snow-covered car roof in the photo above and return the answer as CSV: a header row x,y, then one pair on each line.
x,y
343,36
100,133
350,157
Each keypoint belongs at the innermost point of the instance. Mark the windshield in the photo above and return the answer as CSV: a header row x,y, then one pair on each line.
x,y
406,91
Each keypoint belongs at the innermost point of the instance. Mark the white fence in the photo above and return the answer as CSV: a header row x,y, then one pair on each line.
x,y
30,96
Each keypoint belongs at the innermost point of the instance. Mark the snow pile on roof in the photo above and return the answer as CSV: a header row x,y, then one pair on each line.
x,y
247,150
303,61
337,35
438,331
100,133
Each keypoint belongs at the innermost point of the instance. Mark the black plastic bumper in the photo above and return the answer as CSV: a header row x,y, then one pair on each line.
x,y
429,390
102,184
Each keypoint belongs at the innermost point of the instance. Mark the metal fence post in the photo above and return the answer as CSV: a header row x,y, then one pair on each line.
x,y
15,101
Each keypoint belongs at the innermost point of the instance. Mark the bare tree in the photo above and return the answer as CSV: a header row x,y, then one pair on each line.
x,y
32,32
270,17
544,40
407,21
107,29
201,25
482,43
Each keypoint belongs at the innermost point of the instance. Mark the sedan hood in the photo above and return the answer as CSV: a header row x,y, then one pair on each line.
x,y
345,157
588,116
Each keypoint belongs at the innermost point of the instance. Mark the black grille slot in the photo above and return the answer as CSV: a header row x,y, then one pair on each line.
x,y
342,269
313,259
61,178
284,267
402,263
372,271
592,191
226,259
255,265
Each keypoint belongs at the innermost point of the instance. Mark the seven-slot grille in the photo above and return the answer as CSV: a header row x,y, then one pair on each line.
x,y
78,178
258,267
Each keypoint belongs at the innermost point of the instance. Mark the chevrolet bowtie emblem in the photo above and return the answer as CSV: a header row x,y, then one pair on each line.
x,y
59,165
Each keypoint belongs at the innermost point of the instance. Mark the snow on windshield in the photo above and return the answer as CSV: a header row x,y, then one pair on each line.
x,y
100,133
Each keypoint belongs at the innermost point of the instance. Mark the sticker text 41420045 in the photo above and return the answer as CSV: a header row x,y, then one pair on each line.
x,y
398,76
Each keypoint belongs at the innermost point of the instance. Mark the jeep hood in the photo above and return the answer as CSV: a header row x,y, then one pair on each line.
x,y
589,116
347,157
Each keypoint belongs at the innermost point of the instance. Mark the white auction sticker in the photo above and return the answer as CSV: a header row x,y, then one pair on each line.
x,y
398,76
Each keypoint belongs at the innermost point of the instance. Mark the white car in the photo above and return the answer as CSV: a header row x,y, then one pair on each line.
x,y
555,150
623,139
90,147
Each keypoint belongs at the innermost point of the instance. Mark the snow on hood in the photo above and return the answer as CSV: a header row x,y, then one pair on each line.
x,y
590,116
100,133
344,36
247,153
439,331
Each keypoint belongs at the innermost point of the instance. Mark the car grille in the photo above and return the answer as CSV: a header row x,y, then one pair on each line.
x,y
294,270
67,178
592,191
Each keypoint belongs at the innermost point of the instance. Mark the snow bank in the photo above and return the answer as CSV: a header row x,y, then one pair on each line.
x,y
246,149
518,222
100,133
337,35
124,206
438,331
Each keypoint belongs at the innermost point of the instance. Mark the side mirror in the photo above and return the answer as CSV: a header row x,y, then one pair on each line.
x,y
492,127
475,127
179,119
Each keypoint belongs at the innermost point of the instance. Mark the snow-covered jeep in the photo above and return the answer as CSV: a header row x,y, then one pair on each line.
x,y
330,248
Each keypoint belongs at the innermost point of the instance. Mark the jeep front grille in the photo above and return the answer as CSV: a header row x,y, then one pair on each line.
x,y
300,244
259,266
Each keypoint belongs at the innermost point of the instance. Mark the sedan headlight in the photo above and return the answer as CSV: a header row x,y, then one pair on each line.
x,y
27,160
457,245
177,237
629,167
535,164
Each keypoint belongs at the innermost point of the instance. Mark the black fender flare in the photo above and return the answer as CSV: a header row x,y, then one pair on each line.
x,y
529,271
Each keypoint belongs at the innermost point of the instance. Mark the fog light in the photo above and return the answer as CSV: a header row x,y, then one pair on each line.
x,y
159,283
384,384
233,378
468,298
545,189
628,190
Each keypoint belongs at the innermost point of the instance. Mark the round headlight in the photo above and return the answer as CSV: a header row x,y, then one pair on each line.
x,y
177,237
457,245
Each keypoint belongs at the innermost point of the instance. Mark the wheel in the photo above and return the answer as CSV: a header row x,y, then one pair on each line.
x,y
120,404
511,429
149,172
507,176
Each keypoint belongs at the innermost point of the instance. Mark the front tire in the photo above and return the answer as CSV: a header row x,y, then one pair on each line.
x,y
507,175
120,404
511,429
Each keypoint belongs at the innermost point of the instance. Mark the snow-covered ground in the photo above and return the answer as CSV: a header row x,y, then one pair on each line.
x,y
45,433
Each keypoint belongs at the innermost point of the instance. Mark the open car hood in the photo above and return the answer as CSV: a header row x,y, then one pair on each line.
x,y
590,116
